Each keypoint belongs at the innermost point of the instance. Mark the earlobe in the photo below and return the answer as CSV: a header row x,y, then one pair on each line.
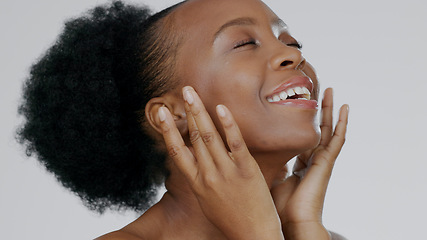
x,y
175,105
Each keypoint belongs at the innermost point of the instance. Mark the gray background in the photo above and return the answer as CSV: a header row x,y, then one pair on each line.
x,y
373,52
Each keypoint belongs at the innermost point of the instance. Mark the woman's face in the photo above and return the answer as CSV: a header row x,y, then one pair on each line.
x,y
240,54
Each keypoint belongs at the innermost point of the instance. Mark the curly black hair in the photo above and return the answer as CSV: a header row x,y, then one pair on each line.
x,y
83,104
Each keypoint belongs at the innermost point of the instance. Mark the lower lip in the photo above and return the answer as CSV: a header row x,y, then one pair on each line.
x,y
298,103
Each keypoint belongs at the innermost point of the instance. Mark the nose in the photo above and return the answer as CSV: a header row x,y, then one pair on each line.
x,y
287,57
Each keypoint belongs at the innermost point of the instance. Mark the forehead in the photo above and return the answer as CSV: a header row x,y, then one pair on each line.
x,y
198,22
204,17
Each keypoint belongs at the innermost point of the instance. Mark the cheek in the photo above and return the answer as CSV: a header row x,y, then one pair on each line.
x,y
311,73
234,85
237,86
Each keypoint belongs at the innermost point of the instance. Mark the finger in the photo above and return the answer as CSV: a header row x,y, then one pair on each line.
x,y
318,175
326,126
338,139
207,133
203,157
178,151
233,135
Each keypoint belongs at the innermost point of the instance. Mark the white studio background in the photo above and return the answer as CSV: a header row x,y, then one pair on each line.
x,y
373,52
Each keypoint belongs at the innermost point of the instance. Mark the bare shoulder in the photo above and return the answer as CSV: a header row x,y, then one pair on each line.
x,y
118,235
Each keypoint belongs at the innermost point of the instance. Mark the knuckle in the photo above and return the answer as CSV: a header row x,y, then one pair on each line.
x,y
324,125
235,144
166,129
341,139
330,164
173,150
194,136
207,137
324,163
249,174
196,111
210,180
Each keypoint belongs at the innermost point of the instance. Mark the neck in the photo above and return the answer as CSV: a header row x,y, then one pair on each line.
x,y
181,207
272,165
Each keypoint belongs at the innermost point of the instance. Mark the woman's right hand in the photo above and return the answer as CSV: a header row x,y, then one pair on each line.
x,y
230,188
299,198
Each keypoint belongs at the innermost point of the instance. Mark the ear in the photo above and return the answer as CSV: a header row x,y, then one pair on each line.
x,y
175,103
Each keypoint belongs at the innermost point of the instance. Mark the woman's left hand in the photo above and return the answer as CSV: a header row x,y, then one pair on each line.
x,y
299,198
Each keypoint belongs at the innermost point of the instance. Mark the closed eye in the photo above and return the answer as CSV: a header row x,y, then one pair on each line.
x,y
295,44
245,43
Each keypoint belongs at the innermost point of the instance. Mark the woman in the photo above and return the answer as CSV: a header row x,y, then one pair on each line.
x,y
212,95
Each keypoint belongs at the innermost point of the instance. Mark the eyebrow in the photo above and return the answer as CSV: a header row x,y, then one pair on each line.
x,y
244,21
247,21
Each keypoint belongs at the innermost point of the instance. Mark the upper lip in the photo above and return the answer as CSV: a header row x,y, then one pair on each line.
x,y
296,81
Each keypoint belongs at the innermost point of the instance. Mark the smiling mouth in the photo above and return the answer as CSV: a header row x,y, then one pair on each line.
x,y
300,93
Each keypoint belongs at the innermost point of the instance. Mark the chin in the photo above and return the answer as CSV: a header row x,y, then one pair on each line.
x,y
306,141
292,142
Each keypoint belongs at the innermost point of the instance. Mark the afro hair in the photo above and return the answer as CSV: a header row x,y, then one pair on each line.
x,y
81,103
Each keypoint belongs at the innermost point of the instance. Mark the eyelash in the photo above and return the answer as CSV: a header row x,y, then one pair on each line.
x,y
295,44
245,42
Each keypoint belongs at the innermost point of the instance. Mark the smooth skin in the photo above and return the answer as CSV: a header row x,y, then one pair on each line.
x,y
231,186
300,201
214,175
212,194
245,53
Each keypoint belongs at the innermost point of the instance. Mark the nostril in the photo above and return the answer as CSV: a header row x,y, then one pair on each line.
x,y
286,63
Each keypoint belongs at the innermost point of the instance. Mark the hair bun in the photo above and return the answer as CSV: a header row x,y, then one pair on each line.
x,y
79,103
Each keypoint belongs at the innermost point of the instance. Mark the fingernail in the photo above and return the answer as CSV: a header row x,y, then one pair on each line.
x,y
162,114
188,97
220,110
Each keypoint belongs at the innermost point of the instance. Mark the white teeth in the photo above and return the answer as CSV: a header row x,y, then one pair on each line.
x,y
298,90
306,91
290,92
303,92
283,95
